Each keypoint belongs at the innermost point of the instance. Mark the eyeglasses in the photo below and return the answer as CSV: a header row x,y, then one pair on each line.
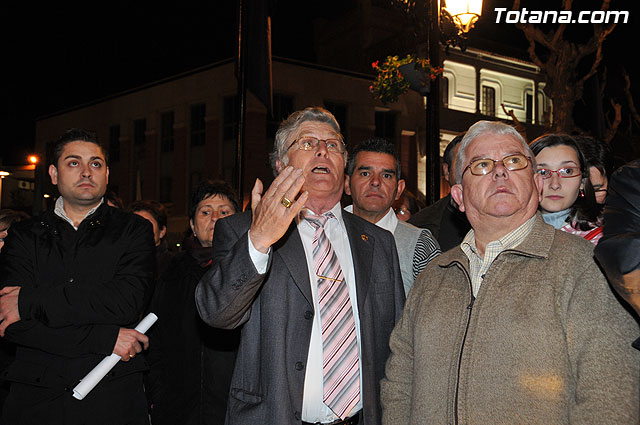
x,y
483,166
309,143
565,173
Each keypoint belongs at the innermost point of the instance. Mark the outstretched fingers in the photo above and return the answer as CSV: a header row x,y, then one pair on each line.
x,y
277,208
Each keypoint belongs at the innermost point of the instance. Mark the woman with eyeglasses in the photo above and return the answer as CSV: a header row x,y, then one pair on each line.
x,y
565,205
190,362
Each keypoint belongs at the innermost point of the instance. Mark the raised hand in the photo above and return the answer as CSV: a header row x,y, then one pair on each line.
x,y
274,210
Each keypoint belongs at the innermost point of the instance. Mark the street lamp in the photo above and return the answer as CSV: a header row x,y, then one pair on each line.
x,y
457,17
3,174
449,23
464,13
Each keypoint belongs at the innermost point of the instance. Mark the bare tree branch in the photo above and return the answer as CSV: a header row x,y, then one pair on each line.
x,y
613,126
564,85
630,102
517,124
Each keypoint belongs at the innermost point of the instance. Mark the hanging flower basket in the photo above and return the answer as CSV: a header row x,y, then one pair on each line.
x,y
396,76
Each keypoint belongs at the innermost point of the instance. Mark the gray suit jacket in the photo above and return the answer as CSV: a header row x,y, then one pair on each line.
x,y
276,311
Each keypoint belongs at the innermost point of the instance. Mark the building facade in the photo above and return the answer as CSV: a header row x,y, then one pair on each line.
x,y
166,137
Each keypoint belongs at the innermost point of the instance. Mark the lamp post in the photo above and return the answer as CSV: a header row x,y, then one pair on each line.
x,y
449,23
3,174
38,192
433,108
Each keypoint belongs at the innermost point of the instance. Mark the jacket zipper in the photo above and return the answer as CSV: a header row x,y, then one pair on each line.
x,y
466,330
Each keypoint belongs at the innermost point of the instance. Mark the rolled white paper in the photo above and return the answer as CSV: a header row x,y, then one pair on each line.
x,y
100,371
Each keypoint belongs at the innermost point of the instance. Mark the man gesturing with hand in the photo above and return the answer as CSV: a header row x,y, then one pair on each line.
x,y
316,289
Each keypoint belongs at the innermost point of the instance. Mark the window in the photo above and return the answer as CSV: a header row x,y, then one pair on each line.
x,y
444,91
339,110
386,125
166,131
488,101
197,124
114,143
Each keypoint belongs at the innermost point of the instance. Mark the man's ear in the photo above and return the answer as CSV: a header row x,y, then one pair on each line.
x,y
163,232
53,173
539,181
445,172
401,186
347,180
279,166
456,194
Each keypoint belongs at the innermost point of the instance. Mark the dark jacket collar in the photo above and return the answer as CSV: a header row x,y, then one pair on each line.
x,y
51,222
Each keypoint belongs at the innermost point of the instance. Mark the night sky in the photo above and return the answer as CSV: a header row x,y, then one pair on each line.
x,y
58,55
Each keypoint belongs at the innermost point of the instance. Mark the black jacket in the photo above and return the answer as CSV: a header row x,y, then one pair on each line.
x,y
447,224
77,289
618,252
190,362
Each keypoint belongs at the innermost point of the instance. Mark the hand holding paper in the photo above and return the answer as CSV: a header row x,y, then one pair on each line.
x,y
97,373
129,343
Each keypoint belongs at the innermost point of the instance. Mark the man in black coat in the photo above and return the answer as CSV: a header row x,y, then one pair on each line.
x,y
74,282
446,222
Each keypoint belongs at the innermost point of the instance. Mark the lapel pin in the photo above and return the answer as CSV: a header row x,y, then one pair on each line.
x,y
364,237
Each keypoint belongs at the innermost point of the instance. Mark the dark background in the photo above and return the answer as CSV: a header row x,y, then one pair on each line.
x,y
57,56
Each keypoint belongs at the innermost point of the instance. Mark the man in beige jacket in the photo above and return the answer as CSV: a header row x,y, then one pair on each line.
x,y
517,325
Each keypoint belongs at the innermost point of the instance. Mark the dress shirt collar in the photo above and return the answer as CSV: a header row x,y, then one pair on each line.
x,y
388,222
336,211
508,241
60,212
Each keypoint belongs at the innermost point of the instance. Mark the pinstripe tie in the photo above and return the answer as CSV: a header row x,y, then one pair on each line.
x,y
341,368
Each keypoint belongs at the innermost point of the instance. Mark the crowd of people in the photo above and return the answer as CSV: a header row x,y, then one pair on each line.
x,y
488,306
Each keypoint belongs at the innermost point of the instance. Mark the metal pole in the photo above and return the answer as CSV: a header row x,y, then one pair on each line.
x,y
242,97
433,107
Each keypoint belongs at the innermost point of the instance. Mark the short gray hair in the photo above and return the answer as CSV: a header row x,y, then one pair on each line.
x,y
491,127
291,125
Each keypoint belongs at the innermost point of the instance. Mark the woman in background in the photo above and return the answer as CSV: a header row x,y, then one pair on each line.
x,y
565,205
191,363
599,163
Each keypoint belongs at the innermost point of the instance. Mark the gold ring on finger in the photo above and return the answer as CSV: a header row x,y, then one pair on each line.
x,y
131,356
286,202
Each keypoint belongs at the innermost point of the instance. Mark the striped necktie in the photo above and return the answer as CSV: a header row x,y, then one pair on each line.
x,y
341,370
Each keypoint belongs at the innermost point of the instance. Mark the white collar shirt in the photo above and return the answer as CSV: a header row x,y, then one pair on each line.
x,y
388,222
60,212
